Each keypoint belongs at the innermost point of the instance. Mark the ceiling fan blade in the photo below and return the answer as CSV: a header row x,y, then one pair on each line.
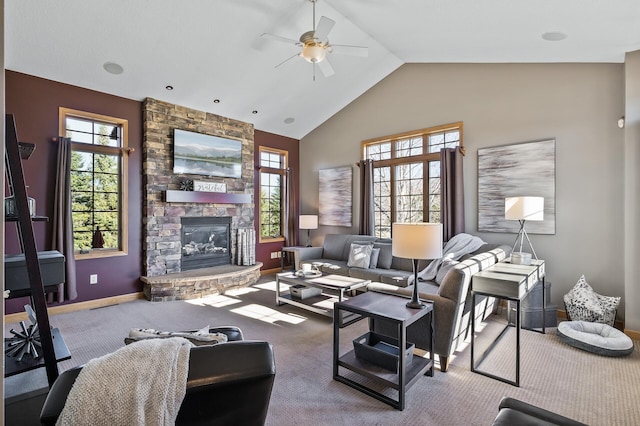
x,y
343,49
280,39
326,68
325,25
287,60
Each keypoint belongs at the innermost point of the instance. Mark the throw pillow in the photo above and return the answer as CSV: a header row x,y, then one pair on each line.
x,y
359,255
373,262
445,266
386,256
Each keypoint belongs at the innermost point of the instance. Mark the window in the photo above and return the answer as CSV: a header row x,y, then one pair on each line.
x,y
406,175
98,182
273,168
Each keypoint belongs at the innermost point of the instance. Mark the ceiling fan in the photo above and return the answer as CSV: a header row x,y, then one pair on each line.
x,y
315,45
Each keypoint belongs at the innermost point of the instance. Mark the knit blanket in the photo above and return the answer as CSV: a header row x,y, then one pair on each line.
x,y
454,249
140,384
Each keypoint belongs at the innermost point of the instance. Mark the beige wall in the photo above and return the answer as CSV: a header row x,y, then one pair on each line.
x,y
577,104
631,189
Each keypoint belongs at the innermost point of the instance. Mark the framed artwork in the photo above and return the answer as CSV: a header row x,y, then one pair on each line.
x,y
335,194
523,169
200,154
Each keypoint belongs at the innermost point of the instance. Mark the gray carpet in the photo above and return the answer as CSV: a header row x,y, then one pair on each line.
x,y
589,388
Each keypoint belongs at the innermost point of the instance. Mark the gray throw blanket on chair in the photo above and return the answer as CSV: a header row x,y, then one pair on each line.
x,y
454,249
140,384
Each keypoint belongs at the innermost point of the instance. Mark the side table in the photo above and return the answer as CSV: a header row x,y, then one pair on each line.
x,y
511,282
283,253
391,308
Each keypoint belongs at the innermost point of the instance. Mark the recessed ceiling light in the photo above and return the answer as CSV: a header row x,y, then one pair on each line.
x,y
289,120
168,87
112,68
216,101
255,111
554,36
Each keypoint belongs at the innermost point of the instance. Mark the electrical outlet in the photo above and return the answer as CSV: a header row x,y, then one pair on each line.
x,y
93,279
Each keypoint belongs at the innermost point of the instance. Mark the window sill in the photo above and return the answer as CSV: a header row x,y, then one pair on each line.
x,y
99,254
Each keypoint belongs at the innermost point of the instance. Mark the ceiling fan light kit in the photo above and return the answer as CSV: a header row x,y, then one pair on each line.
x,y
314,52
315,45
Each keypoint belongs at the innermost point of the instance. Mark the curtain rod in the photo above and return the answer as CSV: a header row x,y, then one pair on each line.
x,y
128,149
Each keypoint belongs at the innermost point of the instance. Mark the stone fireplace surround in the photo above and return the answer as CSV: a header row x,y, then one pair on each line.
x,y
164,279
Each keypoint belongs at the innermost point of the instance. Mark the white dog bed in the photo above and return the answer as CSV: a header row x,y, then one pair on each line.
x,y
601,339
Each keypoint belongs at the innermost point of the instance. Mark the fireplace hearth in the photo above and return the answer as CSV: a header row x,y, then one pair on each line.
x,y
206,242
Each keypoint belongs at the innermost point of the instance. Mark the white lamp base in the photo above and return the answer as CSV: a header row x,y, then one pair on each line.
x,y
520,258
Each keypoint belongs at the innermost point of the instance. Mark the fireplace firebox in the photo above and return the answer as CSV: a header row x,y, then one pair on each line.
x,y
206,242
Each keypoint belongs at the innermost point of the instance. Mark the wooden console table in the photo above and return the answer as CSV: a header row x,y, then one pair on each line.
x,y
511,282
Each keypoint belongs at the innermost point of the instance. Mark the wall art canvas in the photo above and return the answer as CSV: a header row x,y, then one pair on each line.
x,y
523,169
335,194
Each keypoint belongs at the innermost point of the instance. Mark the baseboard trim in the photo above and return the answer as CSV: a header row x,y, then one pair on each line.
x,y
80,306
270,271
634,335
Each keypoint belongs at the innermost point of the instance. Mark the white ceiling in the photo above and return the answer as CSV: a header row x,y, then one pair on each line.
x,y
211,49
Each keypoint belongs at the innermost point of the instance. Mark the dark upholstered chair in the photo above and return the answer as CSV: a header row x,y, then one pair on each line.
x,y
228,383
516,412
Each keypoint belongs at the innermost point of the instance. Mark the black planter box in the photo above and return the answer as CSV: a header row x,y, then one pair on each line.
x,y
381,350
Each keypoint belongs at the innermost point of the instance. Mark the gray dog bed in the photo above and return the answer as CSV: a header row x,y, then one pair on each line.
x,y
601,339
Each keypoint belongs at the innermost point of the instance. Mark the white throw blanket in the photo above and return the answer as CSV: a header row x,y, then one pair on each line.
x,y
454,249
143,383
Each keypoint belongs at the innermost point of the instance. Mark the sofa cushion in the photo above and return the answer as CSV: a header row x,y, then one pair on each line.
x,y
373,262
358,239
403,264
395,277
335,267
385,257
365,274
333,246
359,255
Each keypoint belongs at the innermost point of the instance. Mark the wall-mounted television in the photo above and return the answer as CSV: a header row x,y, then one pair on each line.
x,y
200,154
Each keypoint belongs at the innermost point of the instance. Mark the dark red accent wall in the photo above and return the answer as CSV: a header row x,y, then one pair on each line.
x,y
34,102
263,251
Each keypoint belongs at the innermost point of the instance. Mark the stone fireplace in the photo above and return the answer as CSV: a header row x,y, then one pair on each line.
x,y
206,242
167,253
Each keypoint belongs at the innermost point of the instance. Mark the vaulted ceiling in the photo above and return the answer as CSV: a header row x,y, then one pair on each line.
x,y
210,50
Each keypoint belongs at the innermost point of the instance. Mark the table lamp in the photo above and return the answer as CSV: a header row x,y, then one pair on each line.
x,y
308,222
416,241
523,209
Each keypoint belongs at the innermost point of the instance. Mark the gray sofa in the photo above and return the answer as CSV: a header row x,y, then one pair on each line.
x,y
334,255
451,298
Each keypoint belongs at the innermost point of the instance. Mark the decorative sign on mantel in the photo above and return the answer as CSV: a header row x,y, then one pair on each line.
x,y
209,186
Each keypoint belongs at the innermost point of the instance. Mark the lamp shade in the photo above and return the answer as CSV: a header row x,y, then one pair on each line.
x,y
417,240
308,221
524,208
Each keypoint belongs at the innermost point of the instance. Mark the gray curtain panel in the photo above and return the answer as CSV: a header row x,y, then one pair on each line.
x,y
290,228
62,237
451,192
366,195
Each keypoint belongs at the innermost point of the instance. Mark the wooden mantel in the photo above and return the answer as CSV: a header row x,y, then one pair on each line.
x,y
173,196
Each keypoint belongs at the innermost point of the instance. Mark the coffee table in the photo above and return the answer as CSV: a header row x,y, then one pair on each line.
x,y
333,289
